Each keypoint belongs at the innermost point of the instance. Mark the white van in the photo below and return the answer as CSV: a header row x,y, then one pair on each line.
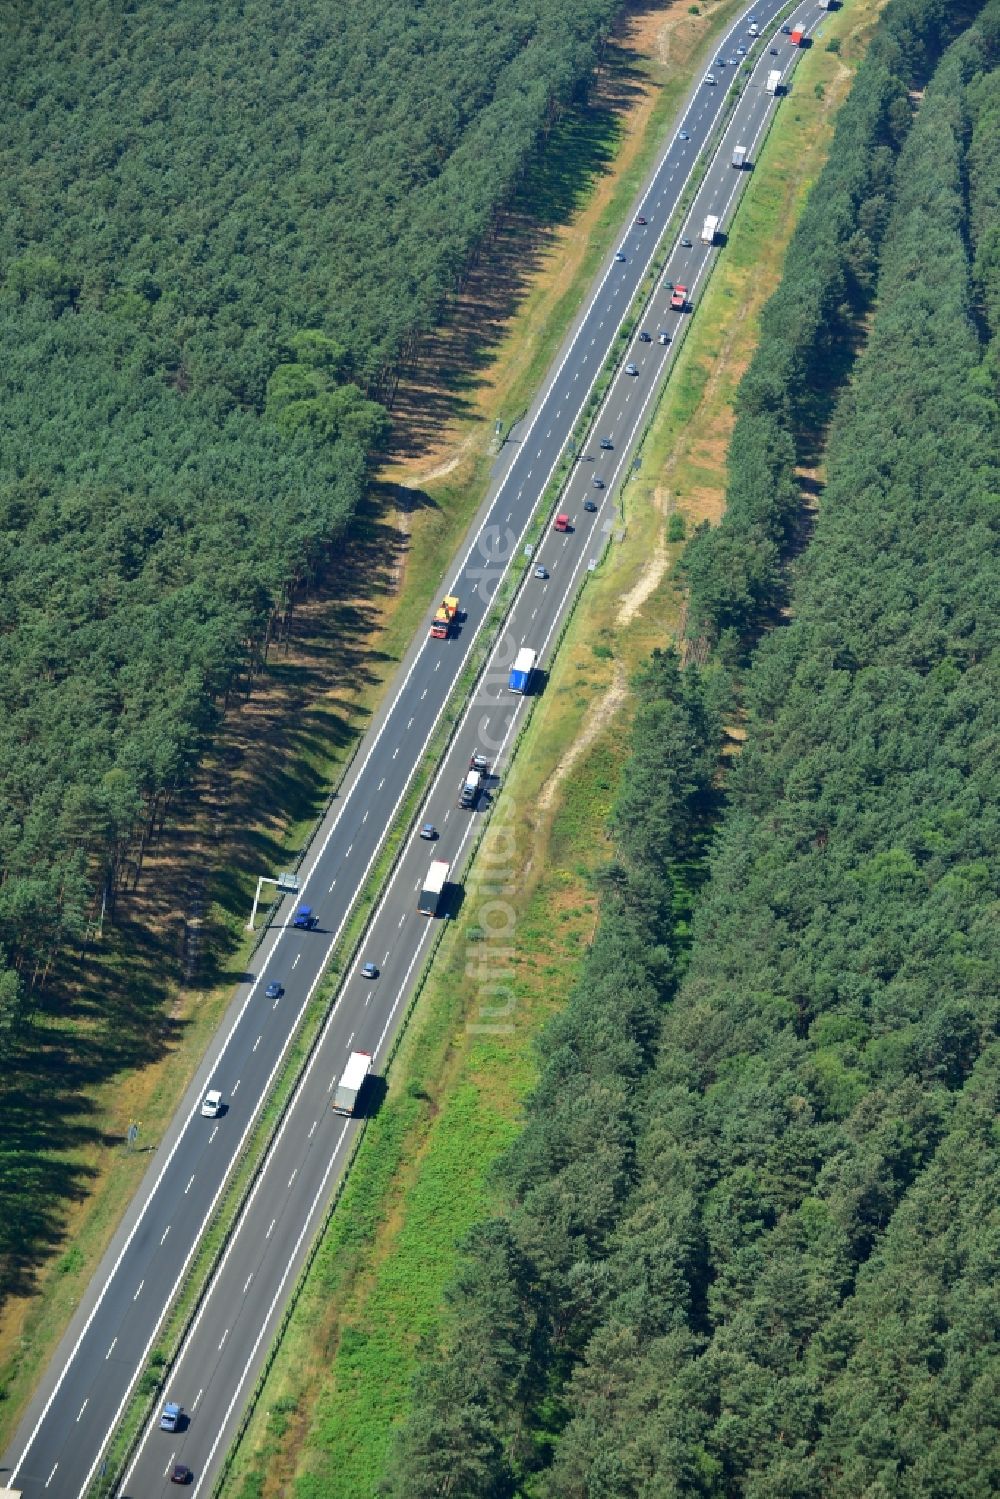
x,y
709,78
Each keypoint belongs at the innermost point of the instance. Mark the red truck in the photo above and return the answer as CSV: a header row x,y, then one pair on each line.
x,y
796,38
678,298
561,523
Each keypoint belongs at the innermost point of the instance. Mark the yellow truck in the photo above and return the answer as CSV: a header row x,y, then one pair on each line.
x,y
445,618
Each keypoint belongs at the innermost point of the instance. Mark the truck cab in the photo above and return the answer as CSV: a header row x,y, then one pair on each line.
x,y
678,298
305,918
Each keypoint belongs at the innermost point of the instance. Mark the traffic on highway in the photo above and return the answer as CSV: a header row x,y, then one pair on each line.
x,y
61,1444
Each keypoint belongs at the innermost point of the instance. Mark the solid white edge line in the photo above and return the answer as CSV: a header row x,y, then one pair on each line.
x,y
326,840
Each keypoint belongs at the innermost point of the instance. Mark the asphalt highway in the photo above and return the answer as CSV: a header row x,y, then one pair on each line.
x,y
58,1450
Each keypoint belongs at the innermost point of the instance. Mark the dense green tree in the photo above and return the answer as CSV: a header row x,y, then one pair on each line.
x,y
787,1288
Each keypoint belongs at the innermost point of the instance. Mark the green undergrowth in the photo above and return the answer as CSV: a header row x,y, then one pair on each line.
x,y
423,1174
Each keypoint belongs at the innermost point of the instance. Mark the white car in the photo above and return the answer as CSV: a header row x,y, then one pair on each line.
x,y
211,1107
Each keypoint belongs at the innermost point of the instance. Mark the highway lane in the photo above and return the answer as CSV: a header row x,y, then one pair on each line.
x,y
60,1443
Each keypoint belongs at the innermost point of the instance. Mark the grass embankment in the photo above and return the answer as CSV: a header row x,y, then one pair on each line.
x,y
257,798
423,1176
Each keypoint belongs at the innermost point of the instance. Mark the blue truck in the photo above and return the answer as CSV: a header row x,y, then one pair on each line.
x,y
306,918
522,671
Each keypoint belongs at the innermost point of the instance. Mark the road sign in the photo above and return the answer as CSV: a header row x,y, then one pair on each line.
x,y
288,883
133,1135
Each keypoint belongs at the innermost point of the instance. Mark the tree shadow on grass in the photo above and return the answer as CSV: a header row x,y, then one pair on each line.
x,y
103,1012
580,148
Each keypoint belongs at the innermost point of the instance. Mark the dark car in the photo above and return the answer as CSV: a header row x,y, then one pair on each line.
x,y
369,971
180,1474
620,255
274,991
429,831
606,444
598,482
786,31
589,505
774,51
645,338
685,243
640,219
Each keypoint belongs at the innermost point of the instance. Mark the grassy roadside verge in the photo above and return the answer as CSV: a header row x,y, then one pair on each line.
x,y
341,1378
317,756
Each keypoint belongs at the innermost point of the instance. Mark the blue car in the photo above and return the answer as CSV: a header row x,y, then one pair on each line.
x,y
170,1419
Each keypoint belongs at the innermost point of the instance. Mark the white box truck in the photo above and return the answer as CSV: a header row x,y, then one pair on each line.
x,y
773,84
433,888
709,229
739,157
345,1100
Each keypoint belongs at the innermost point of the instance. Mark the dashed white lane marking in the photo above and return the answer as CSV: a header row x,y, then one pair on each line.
x,y
210,1139
136,1296
437,668
423,694
189,1186
236,1086
402,918
256,1043
351,845
380,784
84,1407
410,724
165,1232
368,809
51,1476
248,1280
296,959
331,888
271,1229
110,1350
194,1404
313,1130
223,1338
293,1176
